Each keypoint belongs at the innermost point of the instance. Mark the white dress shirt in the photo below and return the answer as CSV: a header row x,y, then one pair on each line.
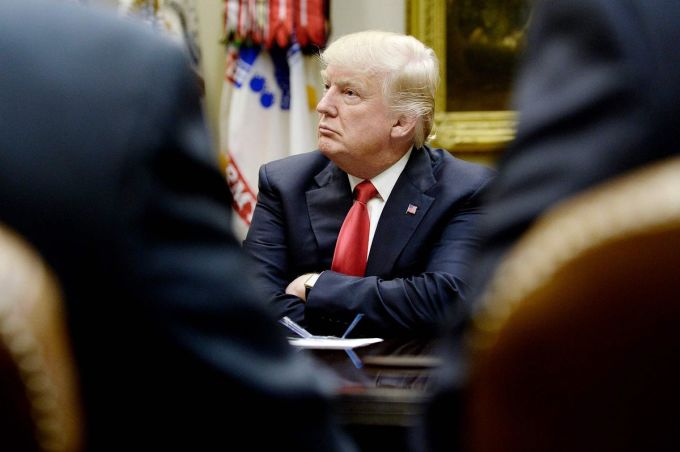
x,y
383,183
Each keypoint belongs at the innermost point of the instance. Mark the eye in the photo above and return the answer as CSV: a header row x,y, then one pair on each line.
x,y
350,92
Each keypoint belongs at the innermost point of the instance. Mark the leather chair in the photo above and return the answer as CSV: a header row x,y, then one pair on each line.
x,y
576,345
39,405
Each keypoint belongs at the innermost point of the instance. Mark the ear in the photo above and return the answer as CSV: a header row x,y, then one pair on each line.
x,y
403,126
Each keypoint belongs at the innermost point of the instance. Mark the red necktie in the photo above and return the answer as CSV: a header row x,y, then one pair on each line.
x,y
351,249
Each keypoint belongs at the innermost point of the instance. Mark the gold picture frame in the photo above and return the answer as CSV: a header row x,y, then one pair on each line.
x,y
473,123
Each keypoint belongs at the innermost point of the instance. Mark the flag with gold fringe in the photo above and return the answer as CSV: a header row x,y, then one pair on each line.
x,y
270,90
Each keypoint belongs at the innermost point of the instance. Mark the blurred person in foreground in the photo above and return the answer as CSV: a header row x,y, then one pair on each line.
x,y
598,96
403,269
106,167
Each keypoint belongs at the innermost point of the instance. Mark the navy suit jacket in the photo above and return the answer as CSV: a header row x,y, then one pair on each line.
x,y
106,167
416,262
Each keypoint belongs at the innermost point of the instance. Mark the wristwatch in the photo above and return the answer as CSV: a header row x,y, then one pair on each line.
x,y
309,283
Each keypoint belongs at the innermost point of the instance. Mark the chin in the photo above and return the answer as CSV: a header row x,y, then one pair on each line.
x,y
327,149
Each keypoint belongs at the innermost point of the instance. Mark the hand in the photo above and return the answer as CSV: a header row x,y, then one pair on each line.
x,y
297,287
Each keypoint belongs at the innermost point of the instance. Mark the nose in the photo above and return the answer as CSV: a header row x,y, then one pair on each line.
x,y
326,105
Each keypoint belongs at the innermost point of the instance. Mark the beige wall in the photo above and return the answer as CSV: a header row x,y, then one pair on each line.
x,y
212,52
346,16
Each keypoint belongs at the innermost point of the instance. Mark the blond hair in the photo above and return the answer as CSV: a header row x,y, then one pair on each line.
x,y
409,71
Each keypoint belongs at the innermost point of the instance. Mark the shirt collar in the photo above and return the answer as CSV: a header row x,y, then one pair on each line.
x,y
385,181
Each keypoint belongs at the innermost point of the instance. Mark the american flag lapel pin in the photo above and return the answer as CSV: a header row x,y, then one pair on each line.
x,y
411,209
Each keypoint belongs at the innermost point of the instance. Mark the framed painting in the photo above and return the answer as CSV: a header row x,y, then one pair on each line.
x,y
478,43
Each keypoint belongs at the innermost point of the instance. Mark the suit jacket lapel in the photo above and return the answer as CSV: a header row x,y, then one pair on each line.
x,y
328,205
396,225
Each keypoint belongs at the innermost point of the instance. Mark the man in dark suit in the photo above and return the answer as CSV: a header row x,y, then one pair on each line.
x,y
598,96
375,117
107,169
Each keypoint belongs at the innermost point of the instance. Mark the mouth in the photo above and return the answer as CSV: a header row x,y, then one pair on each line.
x,y
325,130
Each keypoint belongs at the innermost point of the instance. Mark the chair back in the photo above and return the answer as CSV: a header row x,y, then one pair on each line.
x,y
39,405
576,343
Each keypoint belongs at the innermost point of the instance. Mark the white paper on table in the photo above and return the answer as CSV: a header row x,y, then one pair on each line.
x,y
331,343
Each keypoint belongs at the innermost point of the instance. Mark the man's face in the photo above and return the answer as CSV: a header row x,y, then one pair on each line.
x,y
355,123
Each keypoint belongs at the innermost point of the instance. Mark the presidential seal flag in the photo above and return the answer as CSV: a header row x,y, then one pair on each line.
x,y
265,116
270,90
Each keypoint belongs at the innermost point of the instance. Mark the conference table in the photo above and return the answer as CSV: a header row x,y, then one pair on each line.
x,y
382,389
